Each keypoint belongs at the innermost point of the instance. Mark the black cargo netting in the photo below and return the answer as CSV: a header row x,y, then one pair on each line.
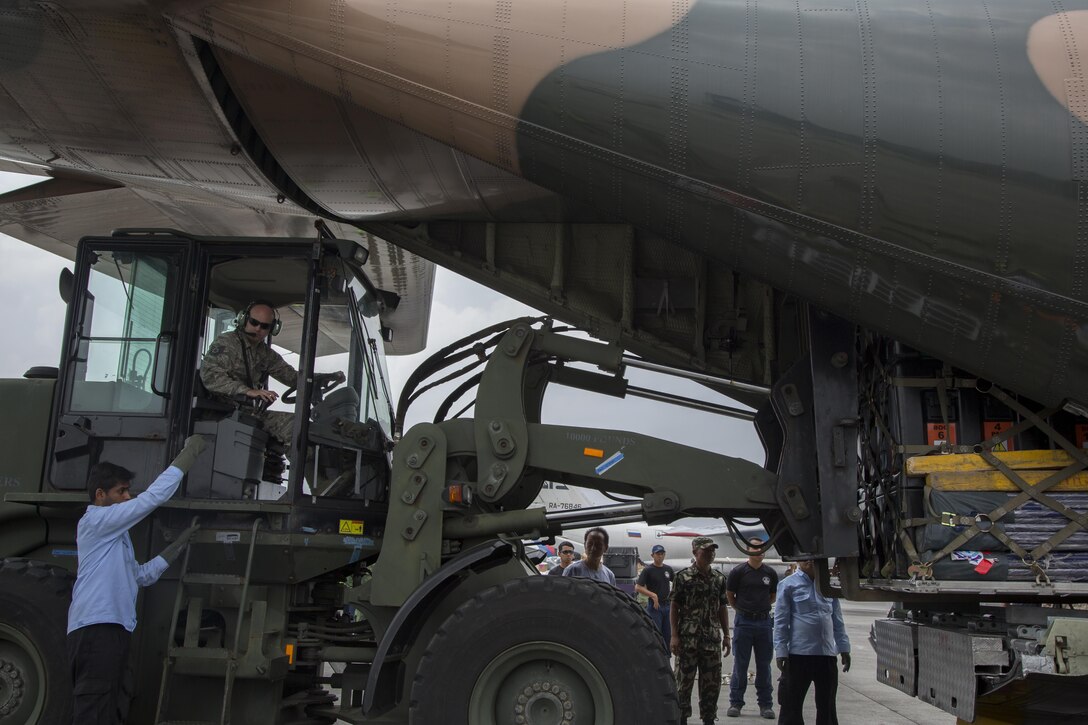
x,y
880,463
1030,534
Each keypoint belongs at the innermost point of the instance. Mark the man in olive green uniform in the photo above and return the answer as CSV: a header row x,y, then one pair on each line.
x,y
239,362
699,619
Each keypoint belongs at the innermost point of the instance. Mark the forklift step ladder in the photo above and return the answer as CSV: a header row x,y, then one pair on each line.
x,y
190,653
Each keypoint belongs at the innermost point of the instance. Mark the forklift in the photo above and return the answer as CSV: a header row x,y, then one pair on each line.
x,y
362,573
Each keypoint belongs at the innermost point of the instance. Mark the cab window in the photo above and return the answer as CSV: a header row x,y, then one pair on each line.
x,y
121,355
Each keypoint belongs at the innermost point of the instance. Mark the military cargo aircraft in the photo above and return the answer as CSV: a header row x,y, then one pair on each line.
x,y
866,220
652,170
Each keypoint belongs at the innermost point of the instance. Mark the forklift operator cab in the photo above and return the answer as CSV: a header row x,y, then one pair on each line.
x,y
146,308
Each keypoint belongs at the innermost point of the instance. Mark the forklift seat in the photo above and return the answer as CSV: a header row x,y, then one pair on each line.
x,y
210,407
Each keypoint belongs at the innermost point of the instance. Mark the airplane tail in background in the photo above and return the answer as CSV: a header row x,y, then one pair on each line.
x,y
556,496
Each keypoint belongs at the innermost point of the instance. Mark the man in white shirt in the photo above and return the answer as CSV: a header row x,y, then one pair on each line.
x,y
103,611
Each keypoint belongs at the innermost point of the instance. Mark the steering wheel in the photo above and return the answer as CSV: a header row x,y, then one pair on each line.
x,y
323,384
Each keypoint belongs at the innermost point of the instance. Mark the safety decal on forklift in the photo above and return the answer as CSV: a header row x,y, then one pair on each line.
x,y
609,462
350,526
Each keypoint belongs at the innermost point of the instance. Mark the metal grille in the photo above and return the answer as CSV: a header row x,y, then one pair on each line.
x,y
895,644
946,671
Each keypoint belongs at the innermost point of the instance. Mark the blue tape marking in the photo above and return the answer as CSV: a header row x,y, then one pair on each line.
x,y
609,462
357,542
65,552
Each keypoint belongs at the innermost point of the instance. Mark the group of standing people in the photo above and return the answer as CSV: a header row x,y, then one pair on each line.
x,y
789,622
690,609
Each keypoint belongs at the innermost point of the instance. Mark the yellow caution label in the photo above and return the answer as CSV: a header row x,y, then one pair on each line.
x,y
349,526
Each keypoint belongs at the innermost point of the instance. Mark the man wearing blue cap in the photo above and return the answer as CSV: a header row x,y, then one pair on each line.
x,y
655,581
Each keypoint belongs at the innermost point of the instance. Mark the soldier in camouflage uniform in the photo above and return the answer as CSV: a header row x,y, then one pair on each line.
x,y
239,363
700,629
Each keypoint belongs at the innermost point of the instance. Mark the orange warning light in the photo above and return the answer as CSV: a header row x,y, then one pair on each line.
x,y
593,452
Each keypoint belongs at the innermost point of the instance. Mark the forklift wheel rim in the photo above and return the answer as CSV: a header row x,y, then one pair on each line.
x,y
518,676
18,649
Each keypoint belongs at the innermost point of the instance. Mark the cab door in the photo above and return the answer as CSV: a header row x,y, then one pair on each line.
x,y
120,367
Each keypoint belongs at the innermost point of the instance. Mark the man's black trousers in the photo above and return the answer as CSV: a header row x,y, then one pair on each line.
x,y
99,656
818,670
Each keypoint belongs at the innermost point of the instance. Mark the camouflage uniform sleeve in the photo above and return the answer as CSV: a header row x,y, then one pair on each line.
x,y
222,370
679,590
277,367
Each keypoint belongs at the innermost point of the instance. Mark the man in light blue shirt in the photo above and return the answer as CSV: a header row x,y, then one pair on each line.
x,y
808,634
592,565
103,611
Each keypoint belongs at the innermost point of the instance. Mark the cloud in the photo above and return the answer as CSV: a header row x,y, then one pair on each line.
x,y
460,307
31,311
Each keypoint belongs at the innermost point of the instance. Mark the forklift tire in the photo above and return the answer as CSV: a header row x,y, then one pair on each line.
x,y
549,649
35,681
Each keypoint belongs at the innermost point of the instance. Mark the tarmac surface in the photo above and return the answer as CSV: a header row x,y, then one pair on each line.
x,y
861,698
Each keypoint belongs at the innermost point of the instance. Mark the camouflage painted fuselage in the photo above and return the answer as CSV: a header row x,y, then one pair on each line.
x,y
915,167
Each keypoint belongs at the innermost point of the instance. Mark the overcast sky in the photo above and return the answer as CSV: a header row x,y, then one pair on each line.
x,y
33,316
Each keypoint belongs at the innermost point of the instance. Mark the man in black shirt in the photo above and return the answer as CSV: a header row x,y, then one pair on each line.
x,y
566,558
751,589
655,581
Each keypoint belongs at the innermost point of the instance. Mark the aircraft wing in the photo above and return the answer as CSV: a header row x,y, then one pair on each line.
x,y
56,212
